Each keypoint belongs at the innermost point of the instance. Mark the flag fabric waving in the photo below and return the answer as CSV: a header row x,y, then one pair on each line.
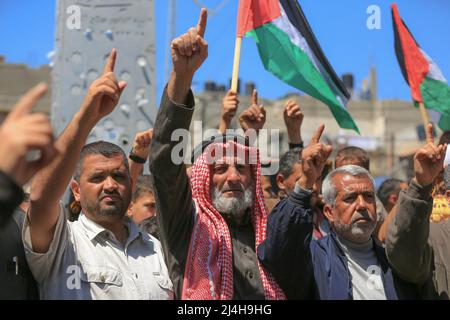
x,y
425,79
289,50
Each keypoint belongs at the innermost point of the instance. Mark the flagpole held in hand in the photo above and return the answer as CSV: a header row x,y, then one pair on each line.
x,y
425,117
237,59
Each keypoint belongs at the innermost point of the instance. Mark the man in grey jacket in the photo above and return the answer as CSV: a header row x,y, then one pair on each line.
x,y
212,222
417,250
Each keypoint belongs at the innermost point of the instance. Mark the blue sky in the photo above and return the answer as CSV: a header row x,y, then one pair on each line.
x,y
27,35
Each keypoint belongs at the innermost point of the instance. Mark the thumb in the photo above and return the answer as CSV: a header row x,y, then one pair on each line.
x,y
122,85
328,150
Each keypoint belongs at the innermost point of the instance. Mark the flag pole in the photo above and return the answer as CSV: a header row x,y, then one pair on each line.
x,y
237,59
425,117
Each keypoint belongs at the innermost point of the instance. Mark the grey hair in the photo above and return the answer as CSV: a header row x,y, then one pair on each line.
x,y
329,190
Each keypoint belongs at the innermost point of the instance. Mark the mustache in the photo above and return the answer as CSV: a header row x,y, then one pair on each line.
x,y
362,214
232,187
113,194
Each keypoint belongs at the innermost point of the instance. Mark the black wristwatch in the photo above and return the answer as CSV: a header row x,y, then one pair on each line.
x,y
295,145
136,158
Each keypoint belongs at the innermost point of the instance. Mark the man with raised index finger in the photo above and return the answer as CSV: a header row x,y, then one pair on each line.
x,y
102,255
346,264
209,231
418,249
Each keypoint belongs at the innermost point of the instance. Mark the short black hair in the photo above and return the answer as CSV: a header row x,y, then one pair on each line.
x,y
288,160
106,149
143,185
354,153
388,187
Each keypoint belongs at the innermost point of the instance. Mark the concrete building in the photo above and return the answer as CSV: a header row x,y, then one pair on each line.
x,y
16,79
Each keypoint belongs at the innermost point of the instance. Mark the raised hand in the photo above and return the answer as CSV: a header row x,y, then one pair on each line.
x,y
142,141
254,117
230,104
190,50
293,118
104,93
314,158
429,160
22,132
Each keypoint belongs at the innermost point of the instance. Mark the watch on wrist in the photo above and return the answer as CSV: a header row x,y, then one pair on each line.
x,y
136,158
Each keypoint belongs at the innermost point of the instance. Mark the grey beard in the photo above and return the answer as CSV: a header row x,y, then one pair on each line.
x,y
353,232
233,207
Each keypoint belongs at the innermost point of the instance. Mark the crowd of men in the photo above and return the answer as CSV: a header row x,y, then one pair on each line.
x,y
217,229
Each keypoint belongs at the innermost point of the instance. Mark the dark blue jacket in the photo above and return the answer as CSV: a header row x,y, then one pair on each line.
x,y
315,269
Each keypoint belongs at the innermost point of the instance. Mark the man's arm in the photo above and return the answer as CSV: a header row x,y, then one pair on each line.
x,y
141,149
50,183
407,245
407,235
170,180
293,118
286,250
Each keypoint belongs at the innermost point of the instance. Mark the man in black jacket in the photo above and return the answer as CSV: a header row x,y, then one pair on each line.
x,y
347,264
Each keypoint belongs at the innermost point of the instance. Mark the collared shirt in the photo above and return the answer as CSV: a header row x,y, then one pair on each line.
x,y
85,261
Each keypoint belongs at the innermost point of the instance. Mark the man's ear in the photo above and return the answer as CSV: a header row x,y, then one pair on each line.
x,y
280,182
393,199
130,210
328,212
75,187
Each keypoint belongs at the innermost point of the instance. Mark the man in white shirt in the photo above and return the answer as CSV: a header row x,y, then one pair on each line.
x,y
103,255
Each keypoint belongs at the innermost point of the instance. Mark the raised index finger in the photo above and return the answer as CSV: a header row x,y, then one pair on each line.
x,y
110,64
429,133
255,97
201,25
316,137
28,101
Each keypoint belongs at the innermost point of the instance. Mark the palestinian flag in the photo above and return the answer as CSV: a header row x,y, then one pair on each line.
x,y
289,50
425,79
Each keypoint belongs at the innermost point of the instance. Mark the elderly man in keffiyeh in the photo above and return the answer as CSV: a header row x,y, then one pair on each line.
x,y
211,225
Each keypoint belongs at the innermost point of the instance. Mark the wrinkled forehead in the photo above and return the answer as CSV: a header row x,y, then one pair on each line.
x,y
348,183
230,153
